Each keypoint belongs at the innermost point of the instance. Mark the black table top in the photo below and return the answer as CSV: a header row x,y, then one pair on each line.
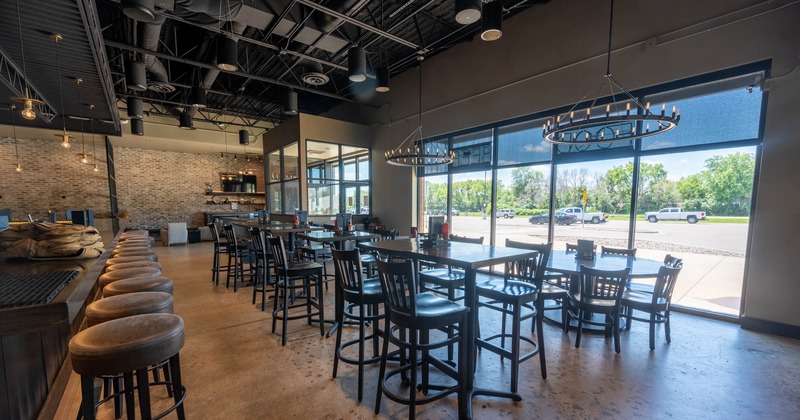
x,y
565,262
459,254
326,236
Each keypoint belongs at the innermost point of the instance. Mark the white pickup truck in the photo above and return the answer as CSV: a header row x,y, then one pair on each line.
x,y
594,217
675,213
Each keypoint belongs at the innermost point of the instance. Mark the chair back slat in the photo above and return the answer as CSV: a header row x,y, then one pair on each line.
x,y
257,236
665,283
212,227
531,269
386,234
278,253
456,238
347,265
602,284
399,286
618,251
229,235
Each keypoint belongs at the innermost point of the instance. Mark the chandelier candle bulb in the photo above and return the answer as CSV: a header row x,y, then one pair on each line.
x,y
588,110
647,107
673,111
663,108
628,109
608,109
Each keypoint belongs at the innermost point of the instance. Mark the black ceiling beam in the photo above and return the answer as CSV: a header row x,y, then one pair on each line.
x,y
186,61
91,24
207,109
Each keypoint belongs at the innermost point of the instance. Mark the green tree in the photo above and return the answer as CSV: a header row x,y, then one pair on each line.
x,y
730,181
694,192
530,189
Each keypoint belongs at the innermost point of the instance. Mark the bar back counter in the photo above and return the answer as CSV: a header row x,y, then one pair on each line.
x,y
34,369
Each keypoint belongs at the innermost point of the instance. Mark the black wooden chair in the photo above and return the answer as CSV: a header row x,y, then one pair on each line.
x,y
263,279
518,294
598,292
618,251
418,314
370,260
238,254
220,248
291,278
655,304
359,302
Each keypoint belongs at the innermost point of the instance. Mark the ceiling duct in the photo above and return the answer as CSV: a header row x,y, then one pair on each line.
x,y
328,23
313,74
148,40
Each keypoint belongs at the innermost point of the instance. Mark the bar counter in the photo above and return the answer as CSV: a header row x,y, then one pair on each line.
x,y
34,339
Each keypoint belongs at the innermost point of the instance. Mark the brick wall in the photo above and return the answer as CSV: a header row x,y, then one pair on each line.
x,y
158,187
53,178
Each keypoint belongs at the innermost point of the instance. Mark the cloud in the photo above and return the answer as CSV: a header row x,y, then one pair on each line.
x,y
683,161
541,147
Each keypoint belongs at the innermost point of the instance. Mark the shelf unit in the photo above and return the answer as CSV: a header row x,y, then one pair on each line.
x,y
226,199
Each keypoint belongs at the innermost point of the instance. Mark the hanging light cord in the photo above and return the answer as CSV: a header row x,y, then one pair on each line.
x,y
94,150
420,97
610,25
80,114
16,146
22,47
60,88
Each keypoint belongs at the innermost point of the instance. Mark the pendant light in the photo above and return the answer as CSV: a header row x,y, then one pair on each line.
x,y
357,64
17,167
28,103
413,151
492,21
614,125
64,135
290,102
467,11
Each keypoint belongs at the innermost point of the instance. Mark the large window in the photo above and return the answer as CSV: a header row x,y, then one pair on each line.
x,y
338,179
283,195
705,165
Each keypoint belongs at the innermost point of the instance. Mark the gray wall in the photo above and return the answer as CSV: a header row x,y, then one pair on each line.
x,y
551,55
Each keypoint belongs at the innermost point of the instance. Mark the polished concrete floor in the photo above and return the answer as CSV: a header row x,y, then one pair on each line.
x,y
235,368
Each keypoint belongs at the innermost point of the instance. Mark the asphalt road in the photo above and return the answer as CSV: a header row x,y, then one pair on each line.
x,y
712,236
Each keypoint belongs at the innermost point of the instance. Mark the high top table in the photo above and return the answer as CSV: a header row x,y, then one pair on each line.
x,y
275,228
468,257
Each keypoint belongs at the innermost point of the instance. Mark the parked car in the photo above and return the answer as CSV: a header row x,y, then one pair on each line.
x,y
455,212
580,215
505,213
561,218
675,213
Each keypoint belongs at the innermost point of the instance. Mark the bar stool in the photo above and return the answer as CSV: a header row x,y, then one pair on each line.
x,y
134,234
122,248
146,240
220,248
357,299
263,278
135,253
130,258
236,258
518,289
121,306
138,284
287,273
132,264
126,346
419,313
127,273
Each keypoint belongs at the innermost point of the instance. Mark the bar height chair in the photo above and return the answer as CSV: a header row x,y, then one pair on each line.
x,y
288,274
220,248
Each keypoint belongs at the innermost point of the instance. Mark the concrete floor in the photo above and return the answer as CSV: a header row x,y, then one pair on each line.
x,y
235,368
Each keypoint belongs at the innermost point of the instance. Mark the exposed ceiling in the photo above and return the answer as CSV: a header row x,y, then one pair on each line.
x,y
281,45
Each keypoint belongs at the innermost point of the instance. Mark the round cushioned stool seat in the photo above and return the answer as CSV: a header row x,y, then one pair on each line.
x,y
131,258
135,253
127,273
133,248
134,234
126,344
132,264
138,240
138,284
116,307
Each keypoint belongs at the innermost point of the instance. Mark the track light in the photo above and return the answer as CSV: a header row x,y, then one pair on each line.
x,y
492,21
198,97
467,11
357,64
135,108
140,10
290,103
186,121
382,74
137,127
227,55
135,76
